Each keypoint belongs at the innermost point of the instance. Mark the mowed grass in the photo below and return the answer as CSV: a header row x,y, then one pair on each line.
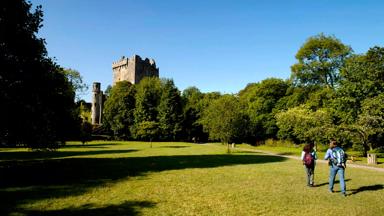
x,y
130,178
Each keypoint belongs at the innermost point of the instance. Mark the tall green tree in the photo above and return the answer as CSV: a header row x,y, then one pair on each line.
x,y
148,131
319,61
76,80
192,129
147,98
37,100
362,78
367,132
119,109
170,111
225,120
260,100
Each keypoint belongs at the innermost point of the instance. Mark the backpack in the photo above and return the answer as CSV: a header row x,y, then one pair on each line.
x,y
308,159
339,156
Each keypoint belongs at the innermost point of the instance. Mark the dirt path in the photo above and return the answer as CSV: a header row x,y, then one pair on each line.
x,y
318,161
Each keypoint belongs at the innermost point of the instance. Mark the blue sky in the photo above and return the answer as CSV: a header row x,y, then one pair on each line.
x,y
213,45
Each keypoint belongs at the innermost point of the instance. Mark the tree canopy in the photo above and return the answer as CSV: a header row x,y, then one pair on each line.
x,y
38,107
224,119
119,108
319,61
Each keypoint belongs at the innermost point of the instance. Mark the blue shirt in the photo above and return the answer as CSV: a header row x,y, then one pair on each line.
x,y
328,154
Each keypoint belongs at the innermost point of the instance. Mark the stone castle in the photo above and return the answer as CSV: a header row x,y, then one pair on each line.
x,y
132,70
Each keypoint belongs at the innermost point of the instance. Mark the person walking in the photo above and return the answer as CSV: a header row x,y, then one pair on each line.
x,y
337,163
309,156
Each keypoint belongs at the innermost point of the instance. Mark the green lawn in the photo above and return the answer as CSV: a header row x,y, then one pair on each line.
x,y
130,178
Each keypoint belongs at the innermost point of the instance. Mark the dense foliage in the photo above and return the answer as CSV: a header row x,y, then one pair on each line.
x,y
118,110
319,61
37,99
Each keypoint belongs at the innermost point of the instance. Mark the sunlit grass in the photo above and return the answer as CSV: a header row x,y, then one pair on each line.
x,y
130,178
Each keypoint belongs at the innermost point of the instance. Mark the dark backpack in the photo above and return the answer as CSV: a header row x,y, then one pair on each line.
x,y
308,159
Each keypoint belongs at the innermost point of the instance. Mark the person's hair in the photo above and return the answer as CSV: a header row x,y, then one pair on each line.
x,y
307,148
333,142
311,145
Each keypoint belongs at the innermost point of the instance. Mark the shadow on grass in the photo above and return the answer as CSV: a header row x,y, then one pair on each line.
x,y
35,155
327,183
367,188
103,145
287,153
80,170
126,208
28,181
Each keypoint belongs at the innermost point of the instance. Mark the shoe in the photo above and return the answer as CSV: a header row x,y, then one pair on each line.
x,y
343,194
331,191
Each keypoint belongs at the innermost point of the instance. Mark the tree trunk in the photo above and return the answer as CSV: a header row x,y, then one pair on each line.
x,y
228,148
366,148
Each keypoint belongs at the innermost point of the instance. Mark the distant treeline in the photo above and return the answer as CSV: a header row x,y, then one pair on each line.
x,y
332,93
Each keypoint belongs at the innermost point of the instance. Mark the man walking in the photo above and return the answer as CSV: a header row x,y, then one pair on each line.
x,y
337,164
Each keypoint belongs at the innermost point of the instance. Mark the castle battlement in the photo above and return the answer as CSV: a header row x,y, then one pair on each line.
x,y
121,62
133,69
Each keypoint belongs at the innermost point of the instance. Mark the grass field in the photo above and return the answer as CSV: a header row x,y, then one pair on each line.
x,y
130,178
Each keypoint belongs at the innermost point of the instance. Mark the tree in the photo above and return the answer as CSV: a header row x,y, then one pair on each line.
x,y
192,129
319,61
372,119
260,100
367,131
147,130
170,111
295,96
76,80
85,132
224,119
203,104
362,78
107,91
147,101
301,124
38,106
84,110
119,109
320,98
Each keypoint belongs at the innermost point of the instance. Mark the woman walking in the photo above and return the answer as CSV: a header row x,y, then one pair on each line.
x,y
309,156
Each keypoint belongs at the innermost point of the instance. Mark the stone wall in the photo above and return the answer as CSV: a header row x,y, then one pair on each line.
x,y
97,104
133,69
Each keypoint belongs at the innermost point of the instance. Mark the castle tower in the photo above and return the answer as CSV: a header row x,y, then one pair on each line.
x,y
97,103
133,69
